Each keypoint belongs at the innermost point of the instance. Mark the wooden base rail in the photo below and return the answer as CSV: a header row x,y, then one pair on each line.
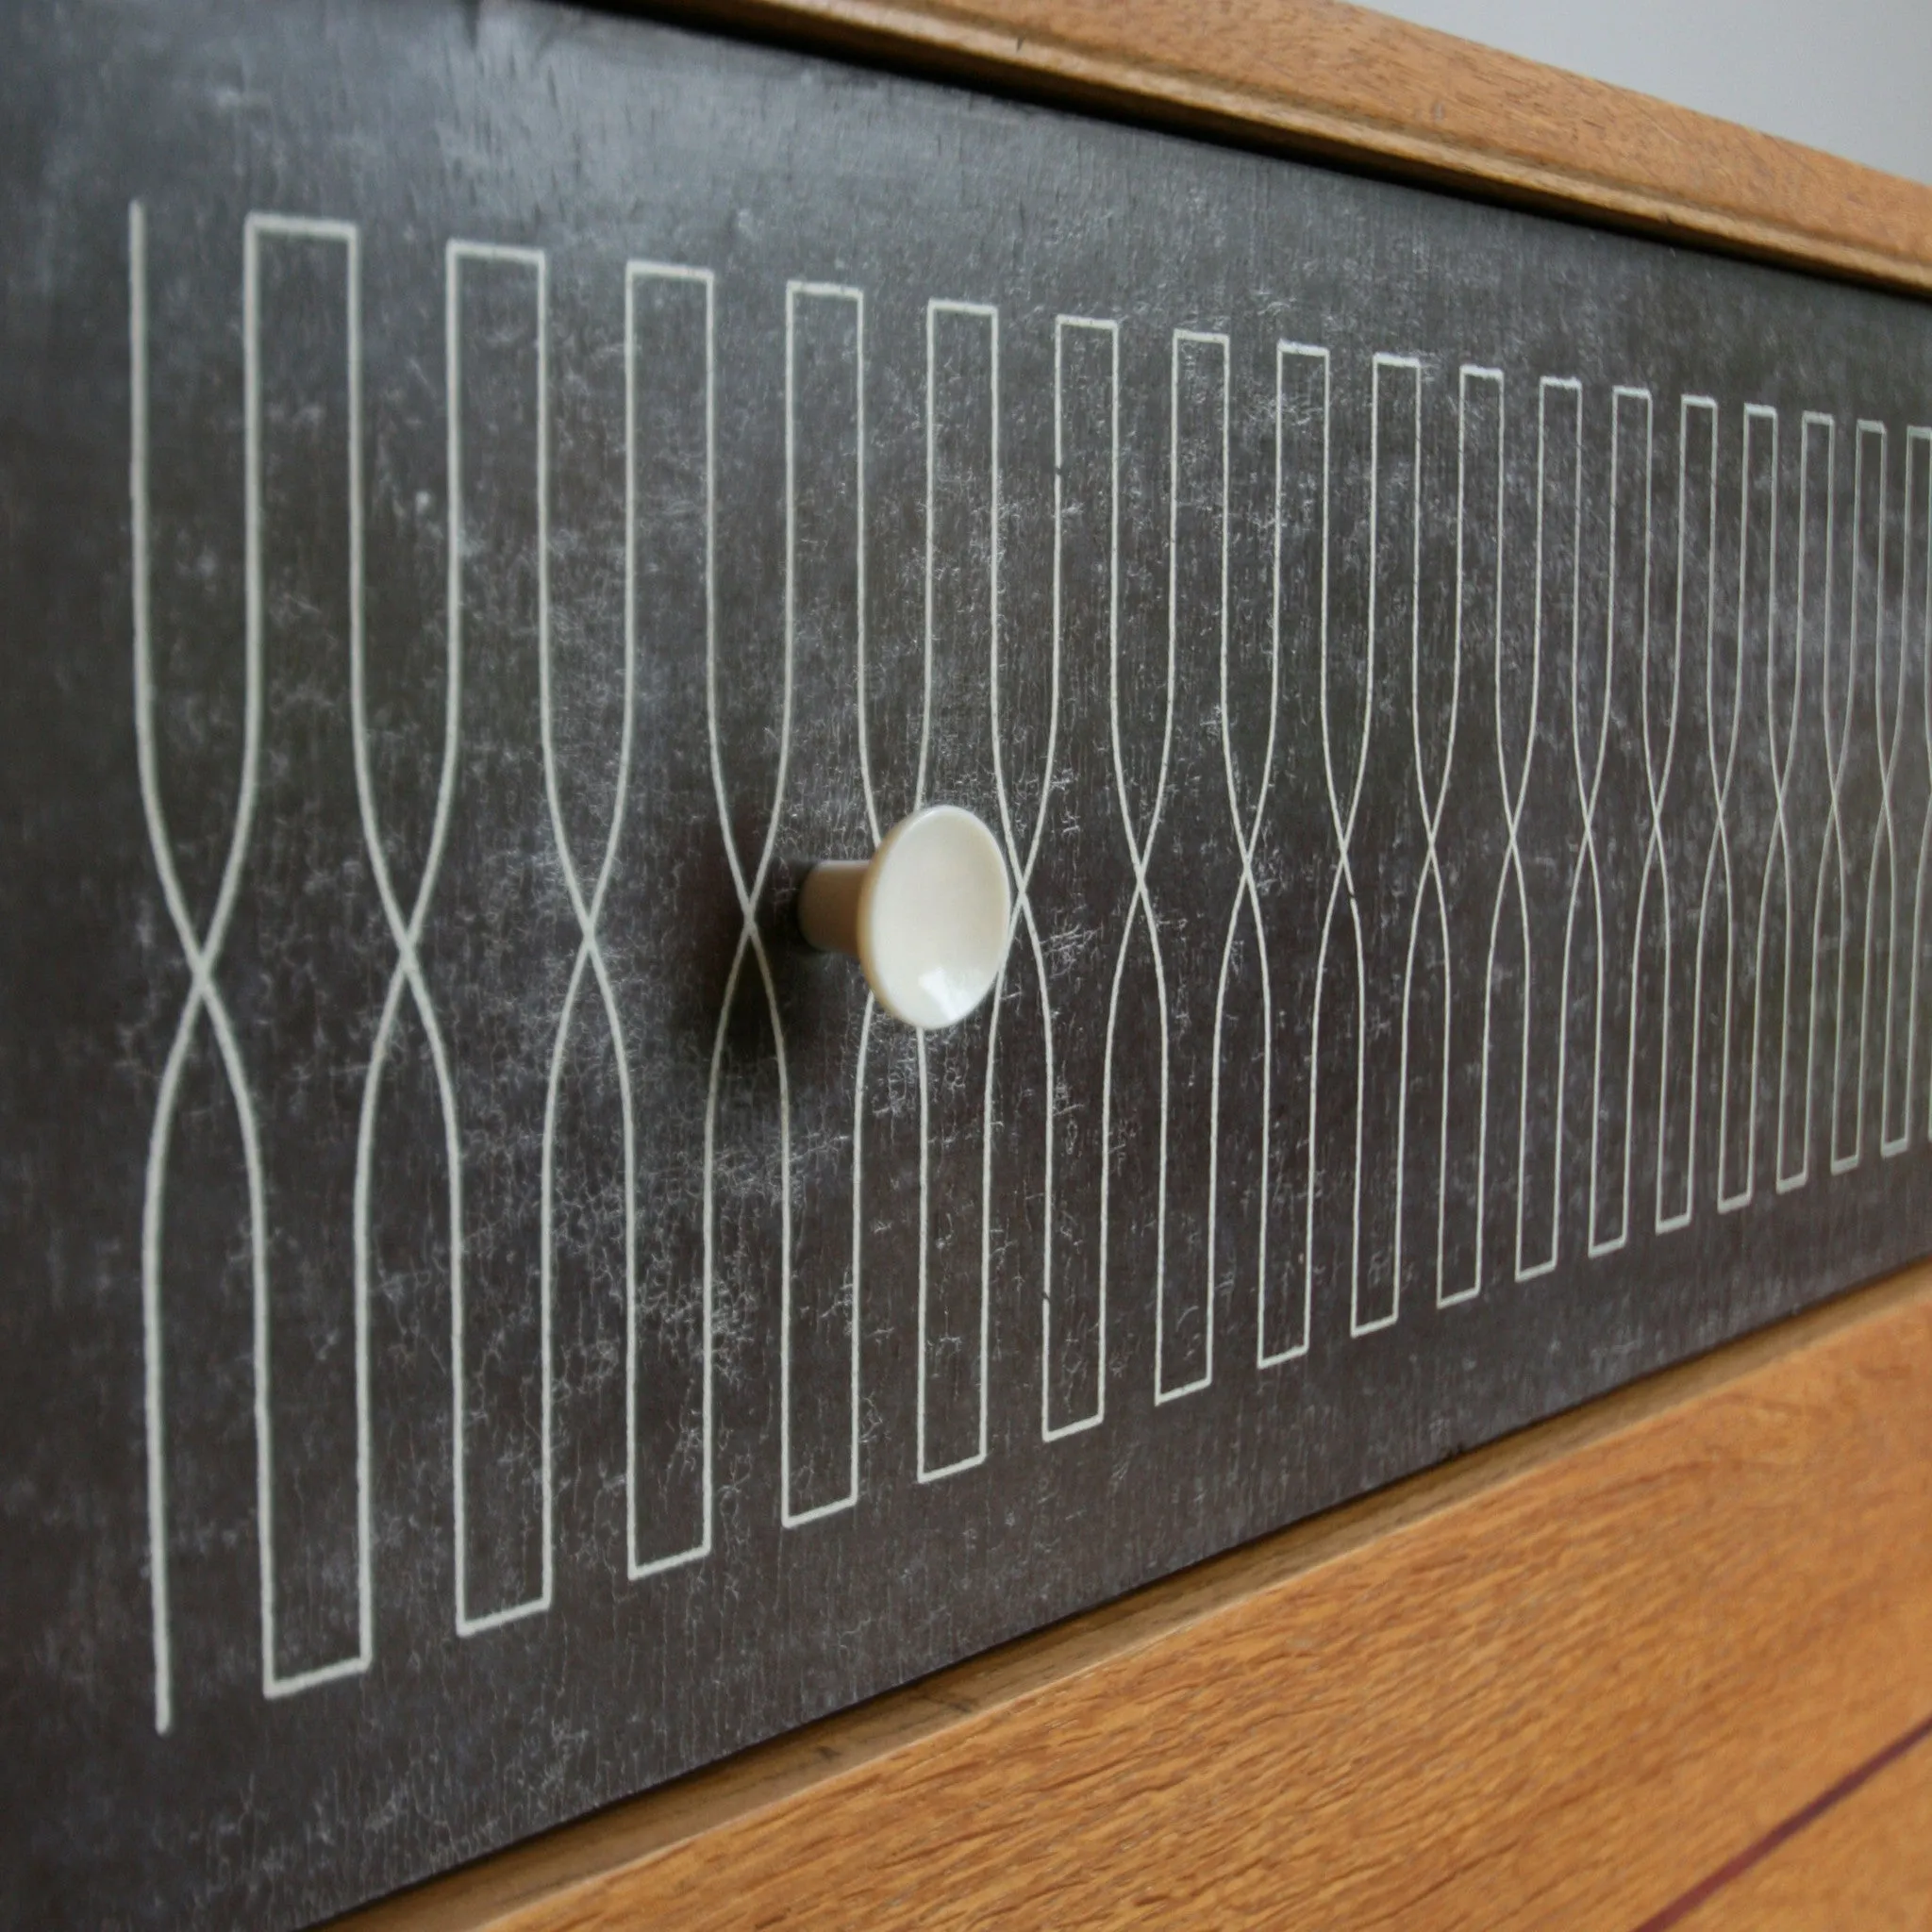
x,y
1561,1682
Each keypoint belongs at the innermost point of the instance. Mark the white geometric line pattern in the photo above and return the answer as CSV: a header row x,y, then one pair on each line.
x,y
1316,354
1050,1430
1429,803
1526,1270
1248,895
1760,424
985,312
795,291
534,260
1658,771
1139,856
634,273
1889,722
1721,762
1863,496
1432,817
201,952
1853,985
1589,793
1919,504
1022,856
1833,848
1341,893
345,236
1510,874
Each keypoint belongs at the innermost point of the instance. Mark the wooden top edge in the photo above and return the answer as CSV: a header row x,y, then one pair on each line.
x,y
1346,83
638,1831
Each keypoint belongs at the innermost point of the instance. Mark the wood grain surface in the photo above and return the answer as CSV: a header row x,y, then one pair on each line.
x,y
1556,1683
1866,1865
1343,81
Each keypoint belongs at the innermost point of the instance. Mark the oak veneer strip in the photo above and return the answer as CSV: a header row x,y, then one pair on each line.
x,y
1342,81
1557,1682
1865,1865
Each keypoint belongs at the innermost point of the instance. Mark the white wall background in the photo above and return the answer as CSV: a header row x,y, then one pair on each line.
x,y
1851,76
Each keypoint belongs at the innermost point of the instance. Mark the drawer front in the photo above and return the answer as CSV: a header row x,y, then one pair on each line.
x,y
491,497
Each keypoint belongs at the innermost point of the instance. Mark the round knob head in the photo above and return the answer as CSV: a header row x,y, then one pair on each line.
x,y
933,917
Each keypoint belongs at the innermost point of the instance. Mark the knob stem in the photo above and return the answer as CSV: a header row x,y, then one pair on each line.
x,y
828,905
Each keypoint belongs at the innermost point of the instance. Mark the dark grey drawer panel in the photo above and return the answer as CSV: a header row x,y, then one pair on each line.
x,y
490,494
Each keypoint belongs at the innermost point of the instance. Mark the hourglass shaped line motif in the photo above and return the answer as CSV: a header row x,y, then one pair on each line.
x,y
928,1470
704,282
1799,1074
201,951
533,261
1656,785
1919,503
1718,862
792,1515
1319,358
1760,423
1022,856
1064,514
1835,708
1720,764
1141,855
1888,719
1510,880
1429,804
1686,597
1432,814
1589,796
751,945
1894,1142
1571,387
1341,892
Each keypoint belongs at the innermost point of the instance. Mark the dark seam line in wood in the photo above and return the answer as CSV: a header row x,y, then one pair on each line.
x,y
1735,1868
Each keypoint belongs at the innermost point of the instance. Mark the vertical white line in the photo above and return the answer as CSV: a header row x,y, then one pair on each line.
x,y
1264,1357
275,1683
1145,856
1511,867
993,642
1882,833
1835,762
1813,419
453,346
1655,783
251,599
1666,1220
152,1340
535,260
703,279
925,1472
1468,373
200,955
788,1517
1922,437
1530,1271
1729,1199
630,638
919,1368
1049,1432
1356,1326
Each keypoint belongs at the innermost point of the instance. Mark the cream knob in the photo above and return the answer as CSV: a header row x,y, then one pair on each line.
x,y
926,916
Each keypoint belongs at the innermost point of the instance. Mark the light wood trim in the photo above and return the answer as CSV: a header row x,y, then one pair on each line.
x,y
1557,1682
1340,80
1865,1864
